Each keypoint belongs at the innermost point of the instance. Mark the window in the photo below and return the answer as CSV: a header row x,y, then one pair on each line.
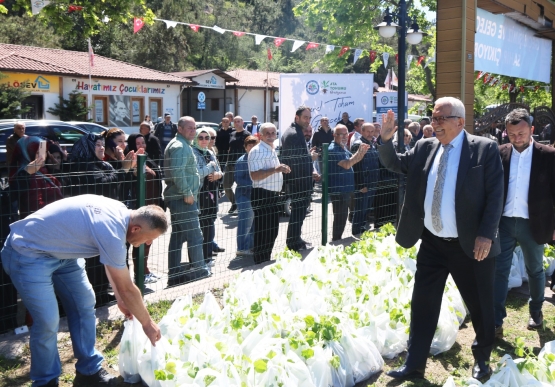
x,y
215,104
100,110
137,110
154,108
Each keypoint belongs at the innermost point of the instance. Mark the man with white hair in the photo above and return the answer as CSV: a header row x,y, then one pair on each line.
x,y
453,204
266,173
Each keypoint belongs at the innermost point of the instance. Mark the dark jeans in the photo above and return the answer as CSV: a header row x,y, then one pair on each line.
x,y
228,182
437,259
208,233
299,204
511,231
266,207
363,204
340,205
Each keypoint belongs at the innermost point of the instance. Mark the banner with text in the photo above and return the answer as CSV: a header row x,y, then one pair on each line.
x,y
328,95
503,46
388,100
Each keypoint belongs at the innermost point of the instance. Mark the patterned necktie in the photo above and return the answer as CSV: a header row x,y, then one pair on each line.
x,y
438,188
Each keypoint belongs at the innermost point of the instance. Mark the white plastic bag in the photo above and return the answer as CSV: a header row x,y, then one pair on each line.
x,y
515,277
363,356
446,332
132,343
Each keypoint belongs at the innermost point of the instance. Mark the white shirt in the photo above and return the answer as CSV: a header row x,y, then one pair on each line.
x,y
519,183
448,215
262,157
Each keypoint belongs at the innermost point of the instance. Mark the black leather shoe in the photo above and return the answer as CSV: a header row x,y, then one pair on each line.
x,y
404,372
52,383
218,250
499,332
176,281
536,320
480,370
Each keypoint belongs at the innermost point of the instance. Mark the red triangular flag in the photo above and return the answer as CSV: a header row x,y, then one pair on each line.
x,y
344,49
269,54
420,59
311,45
238,33
487,77
73,8
279,41
397,58
504,86
522,89
194,27
373,56
480,73
138,23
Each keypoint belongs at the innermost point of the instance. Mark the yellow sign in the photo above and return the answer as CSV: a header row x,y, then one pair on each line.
x,y
32,82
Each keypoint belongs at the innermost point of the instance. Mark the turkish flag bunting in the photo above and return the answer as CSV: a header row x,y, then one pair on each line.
x,y
278,41
343,51
138,23
479,75
269,54
373,56
420,59
238,33
311,45
397,58
486,78
194,27
522,89
73,8
504,87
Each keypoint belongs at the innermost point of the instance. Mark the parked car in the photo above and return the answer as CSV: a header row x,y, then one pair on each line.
x,y
61,132
88,126
212,125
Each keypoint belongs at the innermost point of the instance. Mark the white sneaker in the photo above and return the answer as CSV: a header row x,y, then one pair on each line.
x,y
150,279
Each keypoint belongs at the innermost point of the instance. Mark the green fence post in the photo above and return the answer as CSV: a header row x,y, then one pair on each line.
x,y
141,190
325,194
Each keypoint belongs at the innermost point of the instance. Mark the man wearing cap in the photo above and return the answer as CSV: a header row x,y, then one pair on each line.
x,y
165,130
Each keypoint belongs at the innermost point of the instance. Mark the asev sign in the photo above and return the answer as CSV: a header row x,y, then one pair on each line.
x,y
327,95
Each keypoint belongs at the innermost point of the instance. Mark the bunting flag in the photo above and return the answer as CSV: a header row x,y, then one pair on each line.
x,y
297,44
394,79
37,5
431,60
170,24
218,29
385,56
194,27
138,23
486,78
373,56
420,60
536,88
409,60
311,45
522,89
258,39
74,8
278,41
397,58
494,81
343,51
269,54
480,73
546,88
388,81
504,86
91,54
329,48
358,53
238,33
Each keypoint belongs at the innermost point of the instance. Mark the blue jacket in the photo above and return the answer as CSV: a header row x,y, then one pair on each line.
x,y
367,170
340,180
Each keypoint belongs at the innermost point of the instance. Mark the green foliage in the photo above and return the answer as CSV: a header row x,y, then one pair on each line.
x,y
27,30
11,99
72,109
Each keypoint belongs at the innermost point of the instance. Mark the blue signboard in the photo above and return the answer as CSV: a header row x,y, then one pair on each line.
x,y
201,105
503,46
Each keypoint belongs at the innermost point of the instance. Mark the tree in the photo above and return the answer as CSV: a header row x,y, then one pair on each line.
x,y
27,31
11,99
72,109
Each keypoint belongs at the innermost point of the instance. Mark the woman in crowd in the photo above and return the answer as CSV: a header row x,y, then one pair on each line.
x,y
31,179
243,200
212,147
153,195
210,174
92,175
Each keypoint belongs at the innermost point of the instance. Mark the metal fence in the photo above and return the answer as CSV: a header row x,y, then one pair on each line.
x,y
151,266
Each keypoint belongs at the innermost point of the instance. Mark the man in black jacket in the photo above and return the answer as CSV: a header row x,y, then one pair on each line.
x,y
529,169
454,183
152,142
165,131
236,150
295,154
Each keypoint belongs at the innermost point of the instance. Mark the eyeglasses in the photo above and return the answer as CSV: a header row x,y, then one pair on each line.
x,y
212,137
441,119
201,138
270,133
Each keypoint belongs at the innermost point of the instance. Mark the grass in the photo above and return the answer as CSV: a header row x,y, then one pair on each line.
x,y
456,362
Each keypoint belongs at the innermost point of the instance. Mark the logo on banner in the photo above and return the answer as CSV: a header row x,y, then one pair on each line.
x,y
312,87
385,100
325,86
213,80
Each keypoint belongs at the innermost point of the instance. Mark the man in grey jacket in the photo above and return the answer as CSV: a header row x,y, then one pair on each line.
x,y
183,184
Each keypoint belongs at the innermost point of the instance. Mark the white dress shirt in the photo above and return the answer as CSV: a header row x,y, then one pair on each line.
x,y
448,215
519,183
263,157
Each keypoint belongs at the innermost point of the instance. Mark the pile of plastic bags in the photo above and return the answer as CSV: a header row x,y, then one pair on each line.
x,y
326,321
518,273
530,371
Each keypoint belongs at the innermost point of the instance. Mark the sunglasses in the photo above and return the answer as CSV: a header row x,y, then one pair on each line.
x,y
203,138
212,137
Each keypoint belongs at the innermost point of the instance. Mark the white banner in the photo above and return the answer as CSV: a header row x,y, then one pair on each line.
x,y
327,95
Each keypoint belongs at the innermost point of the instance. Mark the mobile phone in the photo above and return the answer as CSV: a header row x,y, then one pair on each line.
x,y
42,149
